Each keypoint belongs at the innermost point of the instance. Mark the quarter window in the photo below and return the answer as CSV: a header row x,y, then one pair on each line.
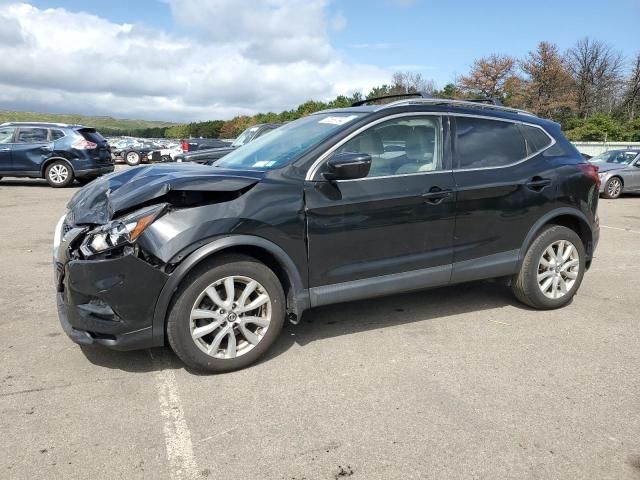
x,y
482,143
535,139
56,134
400,146
6,135
32,135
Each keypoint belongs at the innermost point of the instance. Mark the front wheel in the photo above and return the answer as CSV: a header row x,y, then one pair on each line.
x,y
132,158
613,188
552,269
227,315
58,174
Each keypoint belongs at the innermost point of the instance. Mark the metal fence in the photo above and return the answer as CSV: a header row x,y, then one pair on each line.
x,y
596,148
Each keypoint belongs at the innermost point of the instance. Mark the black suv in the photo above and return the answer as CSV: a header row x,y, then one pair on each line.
x,y
337,206
56,152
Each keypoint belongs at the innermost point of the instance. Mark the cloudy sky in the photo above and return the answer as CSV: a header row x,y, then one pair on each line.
x,y
202,59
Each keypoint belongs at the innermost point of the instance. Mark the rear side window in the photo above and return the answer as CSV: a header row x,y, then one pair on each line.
x,y
6,135
56,134
535,139
32,135
483,143
92,135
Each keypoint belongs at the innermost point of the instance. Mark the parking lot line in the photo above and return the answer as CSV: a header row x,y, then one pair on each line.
x,y
177,436
621,229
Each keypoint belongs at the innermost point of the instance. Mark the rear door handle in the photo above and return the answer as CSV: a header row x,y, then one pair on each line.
x,y
436,195
537,184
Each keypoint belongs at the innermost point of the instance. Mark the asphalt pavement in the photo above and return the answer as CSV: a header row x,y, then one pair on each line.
x,y
453,383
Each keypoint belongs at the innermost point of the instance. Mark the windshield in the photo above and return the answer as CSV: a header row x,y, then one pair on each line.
x,y
615,157
245,137
286,143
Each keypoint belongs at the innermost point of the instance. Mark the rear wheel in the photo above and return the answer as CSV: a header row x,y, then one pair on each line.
x,y
552,269
132,158
58,174
165,158
226,315
613,188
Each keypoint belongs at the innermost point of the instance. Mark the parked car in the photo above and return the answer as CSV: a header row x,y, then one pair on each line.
x,y
340,205
209,156
57,152
135,153
196,144
166,154
619,172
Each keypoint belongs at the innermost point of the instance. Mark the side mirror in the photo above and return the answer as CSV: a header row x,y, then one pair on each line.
x,y
348,166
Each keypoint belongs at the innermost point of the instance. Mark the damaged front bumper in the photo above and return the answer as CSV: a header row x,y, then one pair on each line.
x,y
108,301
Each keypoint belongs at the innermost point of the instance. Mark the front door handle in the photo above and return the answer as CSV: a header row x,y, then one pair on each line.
x,y
436,195
537,184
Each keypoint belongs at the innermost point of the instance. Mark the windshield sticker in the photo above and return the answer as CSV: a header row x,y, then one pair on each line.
x,y
264,163
338,120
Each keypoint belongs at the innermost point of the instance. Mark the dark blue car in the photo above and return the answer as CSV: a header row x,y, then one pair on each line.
x,y
57,152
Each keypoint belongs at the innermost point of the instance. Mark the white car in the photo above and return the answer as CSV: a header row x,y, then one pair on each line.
x,y
167,154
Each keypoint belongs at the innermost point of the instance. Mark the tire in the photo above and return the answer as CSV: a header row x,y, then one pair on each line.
x,y
569,272
613,188
192,295
165,158
132,158
59,174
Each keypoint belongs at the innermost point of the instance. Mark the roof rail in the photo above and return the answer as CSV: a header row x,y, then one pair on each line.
x,y
397,95
481,103
57,124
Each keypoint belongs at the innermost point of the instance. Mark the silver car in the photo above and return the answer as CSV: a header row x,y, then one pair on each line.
x,y
619,171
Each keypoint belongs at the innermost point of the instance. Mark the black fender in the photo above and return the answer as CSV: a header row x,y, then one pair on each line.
x,y
299,295
548,218
46,163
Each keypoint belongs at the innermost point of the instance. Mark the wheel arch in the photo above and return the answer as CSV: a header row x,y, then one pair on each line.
x,y
50,160
259,248
566,217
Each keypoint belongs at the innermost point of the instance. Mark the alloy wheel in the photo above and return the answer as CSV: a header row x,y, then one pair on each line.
x,y
230,317
614,187
58,173
558,269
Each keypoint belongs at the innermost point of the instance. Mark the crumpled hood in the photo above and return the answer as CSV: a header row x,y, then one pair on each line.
x,y
105,197
607,167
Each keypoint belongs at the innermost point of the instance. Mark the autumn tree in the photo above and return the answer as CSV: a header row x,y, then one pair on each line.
x,y
491,76
596,70
549,87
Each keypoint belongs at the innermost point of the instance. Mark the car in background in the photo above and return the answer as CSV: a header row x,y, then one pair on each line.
x,y
57,152
166,154
619,172
196,144
210,156
135,153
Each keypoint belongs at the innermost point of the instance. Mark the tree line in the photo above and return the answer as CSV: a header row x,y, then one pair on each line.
x,y
589,89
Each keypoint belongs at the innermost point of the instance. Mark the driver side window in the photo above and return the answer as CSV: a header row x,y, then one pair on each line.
x,y
401,146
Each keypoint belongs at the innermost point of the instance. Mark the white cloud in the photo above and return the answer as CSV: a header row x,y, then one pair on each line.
x,y
245,56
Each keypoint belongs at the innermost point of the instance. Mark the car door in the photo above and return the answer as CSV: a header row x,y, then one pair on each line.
x,y
6,143
504,185
632,175
31,147
392,230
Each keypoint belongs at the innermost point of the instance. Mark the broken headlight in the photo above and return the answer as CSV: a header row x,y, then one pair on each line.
x,y
121,231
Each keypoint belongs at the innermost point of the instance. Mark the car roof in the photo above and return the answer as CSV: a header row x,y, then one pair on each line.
x,y
447,106
41,124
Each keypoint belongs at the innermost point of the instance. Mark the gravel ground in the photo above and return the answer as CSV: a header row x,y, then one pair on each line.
x,y
459,382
